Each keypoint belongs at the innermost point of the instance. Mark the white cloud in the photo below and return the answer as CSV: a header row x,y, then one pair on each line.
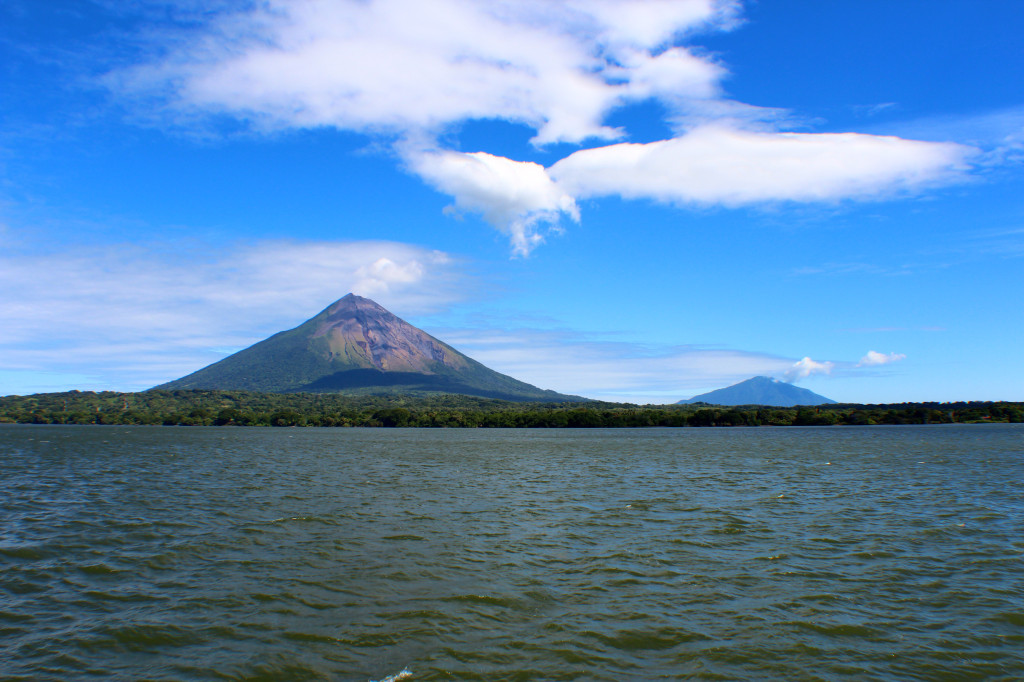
x,y
874,358
651,23
718,164
515,197
673,74
712,164
805,368
405,65
411,70
134,317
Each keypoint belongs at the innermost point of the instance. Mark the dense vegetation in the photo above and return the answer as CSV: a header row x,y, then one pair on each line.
x,y
241,408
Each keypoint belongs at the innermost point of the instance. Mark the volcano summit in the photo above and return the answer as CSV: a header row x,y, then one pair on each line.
x,y
356,346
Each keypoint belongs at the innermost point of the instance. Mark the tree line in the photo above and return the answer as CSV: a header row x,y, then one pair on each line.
x,y
243,408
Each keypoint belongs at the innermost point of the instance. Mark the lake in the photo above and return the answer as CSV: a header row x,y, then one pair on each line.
x,y
829,553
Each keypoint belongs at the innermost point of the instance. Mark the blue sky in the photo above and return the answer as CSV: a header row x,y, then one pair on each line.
x,y
635,200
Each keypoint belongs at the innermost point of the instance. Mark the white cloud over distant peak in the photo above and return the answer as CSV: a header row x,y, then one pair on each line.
x,y
805,368
874,358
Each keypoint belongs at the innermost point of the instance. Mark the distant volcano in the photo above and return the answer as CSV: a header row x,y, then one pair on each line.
x,y
356,346
761,391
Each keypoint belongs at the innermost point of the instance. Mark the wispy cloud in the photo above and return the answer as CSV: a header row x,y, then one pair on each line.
x,y
1008,243
581,364
869,110
874,359
999,134
596,367
942,252
135,316
855,269
886,330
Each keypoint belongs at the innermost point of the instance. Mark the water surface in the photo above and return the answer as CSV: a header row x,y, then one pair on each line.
x,y
167,553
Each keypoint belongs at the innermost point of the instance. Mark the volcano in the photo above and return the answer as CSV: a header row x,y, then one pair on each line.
x,y
761,391
355,346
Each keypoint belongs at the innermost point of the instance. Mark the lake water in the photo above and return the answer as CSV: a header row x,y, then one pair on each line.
x,y
165,553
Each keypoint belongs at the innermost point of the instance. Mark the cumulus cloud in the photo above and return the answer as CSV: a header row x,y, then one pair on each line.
x,y
411,70
874,358
805,368
174,314
717,164
515,197
406,65
712,164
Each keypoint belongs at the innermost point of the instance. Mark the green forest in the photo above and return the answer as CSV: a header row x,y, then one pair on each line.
x,y
242,408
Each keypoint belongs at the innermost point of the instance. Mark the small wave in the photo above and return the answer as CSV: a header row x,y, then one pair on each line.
x,y
15,616
692,543
30,552
369,640
482,599
874,554
773,557
419,615
307,519
99,569
832,541
100,595
402,537
138,637
837,629
1015,618
310,637
15,585
731,529
640,640
264,597
402,674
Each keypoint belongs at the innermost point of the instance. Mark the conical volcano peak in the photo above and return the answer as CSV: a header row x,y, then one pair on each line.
x,y
352,302
352,307
360,332
356,345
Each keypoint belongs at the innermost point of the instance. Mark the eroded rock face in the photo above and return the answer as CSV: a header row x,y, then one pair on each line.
x,y
363,333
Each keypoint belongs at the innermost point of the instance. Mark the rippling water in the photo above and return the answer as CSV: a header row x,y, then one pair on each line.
x,y
343,554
